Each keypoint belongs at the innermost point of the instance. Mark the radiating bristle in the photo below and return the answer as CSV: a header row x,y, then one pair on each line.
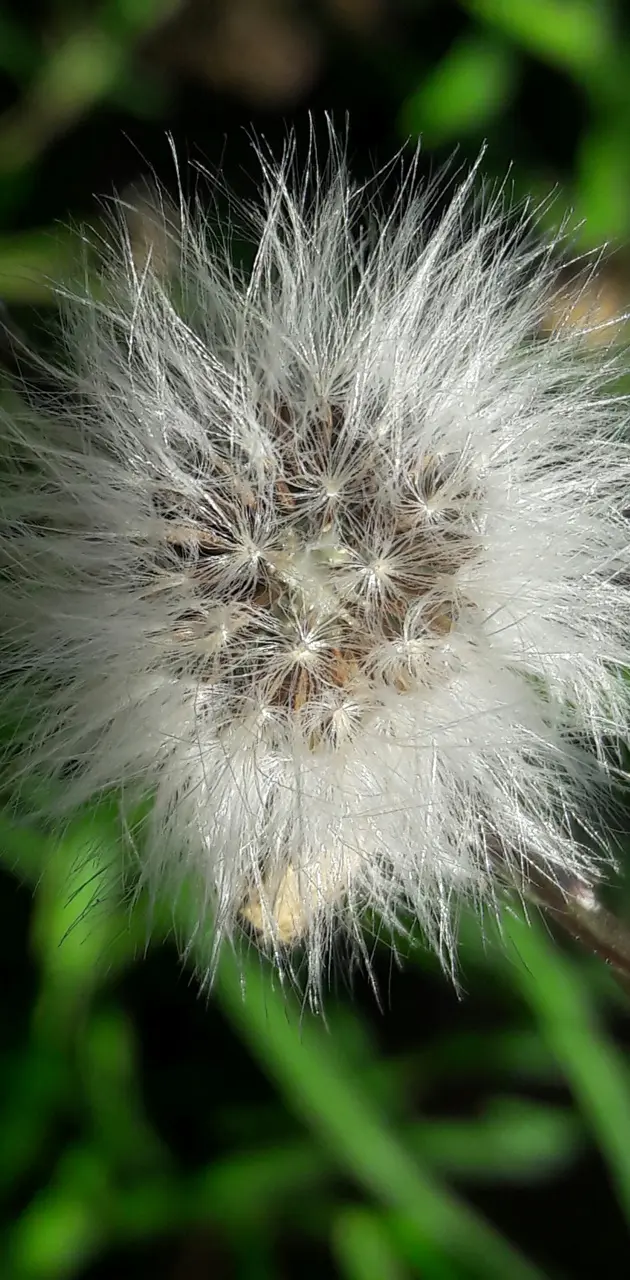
x,y
328,557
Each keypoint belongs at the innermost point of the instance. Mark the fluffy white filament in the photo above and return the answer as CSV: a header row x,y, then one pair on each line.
x,y
326,556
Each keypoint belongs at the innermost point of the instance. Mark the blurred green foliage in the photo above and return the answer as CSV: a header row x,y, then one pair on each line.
x,y
343,1124
137,1133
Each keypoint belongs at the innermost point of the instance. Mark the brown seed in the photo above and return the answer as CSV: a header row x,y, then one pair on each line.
x,y
285,497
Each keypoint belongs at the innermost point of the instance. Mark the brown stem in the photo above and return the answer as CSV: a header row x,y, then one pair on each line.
x,y
574,905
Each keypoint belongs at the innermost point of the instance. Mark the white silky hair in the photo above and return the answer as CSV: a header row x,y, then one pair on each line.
x,y
327,555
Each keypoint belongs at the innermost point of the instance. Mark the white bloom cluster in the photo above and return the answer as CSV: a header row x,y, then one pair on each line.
x,y
327,556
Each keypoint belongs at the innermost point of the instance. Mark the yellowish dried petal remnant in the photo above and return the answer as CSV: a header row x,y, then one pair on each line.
x,y
282,913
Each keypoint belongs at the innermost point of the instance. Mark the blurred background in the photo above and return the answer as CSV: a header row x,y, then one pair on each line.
x,y
415,1131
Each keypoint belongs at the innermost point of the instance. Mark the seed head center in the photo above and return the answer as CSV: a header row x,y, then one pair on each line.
x,y
323,610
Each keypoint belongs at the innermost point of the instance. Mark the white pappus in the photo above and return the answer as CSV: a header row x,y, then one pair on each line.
x,y
328,555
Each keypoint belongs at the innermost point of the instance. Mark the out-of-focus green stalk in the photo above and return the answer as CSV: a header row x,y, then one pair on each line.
x,y
594,1068
297,1052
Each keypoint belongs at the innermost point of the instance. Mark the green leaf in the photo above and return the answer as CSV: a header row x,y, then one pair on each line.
x,y
363,1247
513,1138
518,1053
78,71
603,183
109,1075
63,1226
36,1086
128,18
463,93
595,1070
24,850
79,933
575,35
31,262
318,1086
256,1186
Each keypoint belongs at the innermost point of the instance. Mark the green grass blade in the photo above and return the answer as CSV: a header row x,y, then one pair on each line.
x,y
595,1070
296,1050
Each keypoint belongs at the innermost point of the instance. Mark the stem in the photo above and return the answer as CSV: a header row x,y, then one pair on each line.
x,y
574,905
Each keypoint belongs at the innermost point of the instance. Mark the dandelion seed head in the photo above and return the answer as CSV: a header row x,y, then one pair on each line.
x,y
328,555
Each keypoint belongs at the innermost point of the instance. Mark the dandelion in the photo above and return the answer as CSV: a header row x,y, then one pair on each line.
x,y
327,555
